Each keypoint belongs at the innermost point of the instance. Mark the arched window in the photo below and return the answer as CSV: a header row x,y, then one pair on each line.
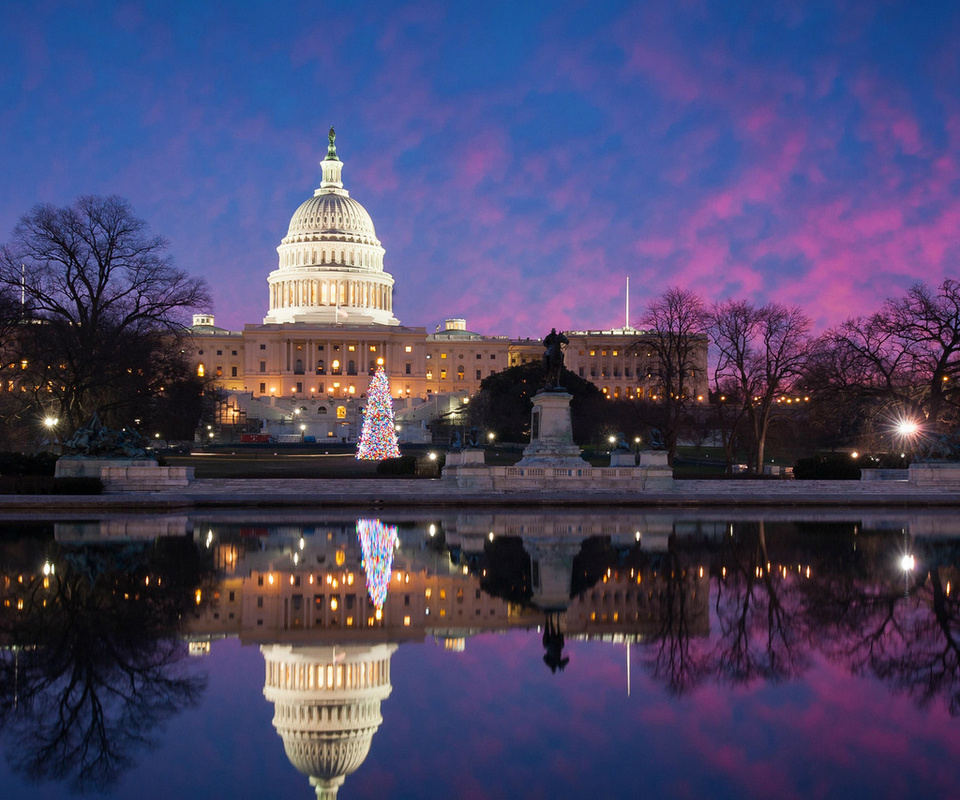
x,y
351,367
460,373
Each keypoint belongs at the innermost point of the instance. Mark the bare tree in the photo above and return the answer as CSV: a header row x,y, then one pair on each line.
x,y
762,351
904,360
100,296
676,324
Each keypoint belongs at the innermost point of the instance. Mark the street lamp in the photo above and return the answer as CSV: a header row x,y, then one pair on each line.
x,y
50,423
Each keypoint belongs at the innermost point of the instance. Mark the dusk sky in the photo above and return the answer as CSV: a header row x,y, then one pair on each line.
x,y
519,160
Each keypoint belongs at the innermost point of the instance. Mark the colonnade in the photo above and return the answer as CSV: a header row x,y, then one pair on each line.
x,y
307,292
300,675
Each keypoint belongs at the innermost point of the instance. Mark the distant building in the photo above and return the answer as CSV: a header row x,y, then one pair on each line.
x,y
330,323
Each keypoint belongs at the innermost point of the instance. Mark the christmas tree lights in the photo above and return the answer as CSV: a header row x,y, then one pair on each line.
x,y
378,437
377,542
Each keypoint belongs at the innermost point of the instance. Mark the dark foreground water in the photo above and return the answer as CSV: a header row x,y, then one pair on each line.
x,y
482,655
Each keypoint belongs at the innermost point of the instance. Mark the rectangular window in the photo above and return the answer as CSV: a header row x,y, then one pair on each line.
x,y
407,368
443,355
493,356
479,356
233,352
443,374
259,602
233,372
263,347
299,388
479,371
263,366
219,352
408,349
263,388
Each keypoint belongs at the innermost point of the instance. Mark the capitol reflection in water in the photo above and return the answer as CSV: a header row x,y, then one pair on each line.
x,y
733,600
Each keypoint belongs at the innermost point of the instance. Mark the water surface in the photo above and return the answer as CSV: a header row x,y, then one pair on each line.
x,y
514,654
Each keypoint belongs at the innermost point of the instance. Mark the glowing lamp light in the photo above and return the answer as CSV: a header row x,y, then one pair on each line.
x,y
907,427
907,562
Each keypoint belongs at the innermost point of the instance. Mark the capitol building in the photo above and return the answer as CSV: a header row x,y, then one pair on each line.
x,y
330,323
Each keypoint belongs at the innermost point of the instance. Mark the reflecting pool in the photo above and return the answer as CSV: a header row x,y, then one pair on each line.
x,y
482,654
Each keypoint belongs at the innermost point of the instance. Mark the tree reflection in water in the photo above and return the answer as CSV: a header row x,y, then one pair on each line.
x,y
91,663
781,595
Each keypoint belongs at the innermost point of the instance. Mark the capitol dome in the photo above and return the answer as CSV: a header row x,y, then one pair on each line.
x,y
330,262
327,706
332,217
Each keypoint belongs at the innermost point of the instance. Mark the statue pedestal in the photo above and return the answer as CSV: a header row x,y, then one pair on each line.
x,y
934,473
551,433
125,474
622,458
467,468
85,467
471,457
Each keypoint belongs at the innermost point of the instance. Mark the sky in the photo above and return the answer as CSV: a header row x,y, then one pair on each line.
x,y
520,160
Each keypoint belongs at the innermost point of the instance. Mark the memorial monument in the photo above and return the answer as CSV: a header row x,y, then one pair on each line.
x,y
118,458
551,428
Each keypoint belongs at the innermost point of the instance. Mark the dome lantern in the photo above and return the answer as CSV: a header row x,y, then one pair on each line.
x,y
331,168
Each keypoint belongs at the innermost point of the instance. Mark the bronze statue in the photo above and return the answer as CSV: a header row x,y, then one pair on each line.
x,y
94,440
553,359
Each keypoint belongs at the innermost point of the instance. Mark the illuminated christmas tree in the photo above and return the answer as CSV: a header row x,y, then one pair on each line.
x,y
377,542
378,438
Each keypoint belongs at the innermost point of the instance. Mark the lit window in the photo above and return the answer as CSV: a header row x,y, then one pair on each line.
x,y
351,348
200,369
443,355
408,349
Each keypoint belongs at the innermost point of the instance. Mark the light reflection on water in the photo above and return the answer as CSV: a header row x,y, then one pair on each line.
x,y
483,654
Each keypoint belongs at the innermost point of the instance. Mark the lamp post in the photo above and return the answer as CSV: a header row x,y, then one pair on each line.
x,y
50,423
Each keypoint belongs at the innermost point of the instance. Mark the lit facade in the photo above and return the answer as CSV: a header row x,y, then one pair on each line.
x,y
330,323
